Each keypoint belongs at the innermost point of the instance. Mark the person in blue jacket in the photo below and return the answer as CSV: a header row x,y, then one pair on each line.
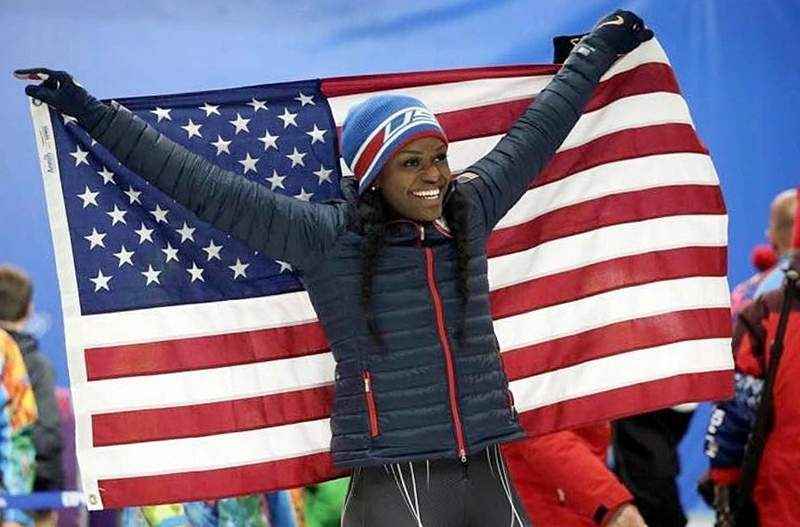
x,y
397,273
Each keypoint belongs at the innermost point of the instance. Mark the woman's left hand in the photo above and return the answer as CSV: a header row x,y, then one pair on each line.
x,y
622,30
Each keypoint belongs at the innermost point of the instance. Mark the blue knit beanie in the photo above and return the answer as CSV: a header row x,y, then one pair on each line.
x,y
380,126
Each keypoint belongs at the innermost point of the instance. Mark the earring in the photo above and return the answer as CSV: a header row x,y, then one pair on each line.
x,y
374,188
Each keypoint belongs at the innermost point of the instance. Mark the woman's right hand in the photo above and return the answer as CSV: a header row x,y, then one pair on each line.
x,y
59,90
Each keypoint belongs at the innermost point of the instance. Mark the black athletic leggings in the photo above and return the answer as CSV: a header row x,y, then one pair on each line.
x,y
440,493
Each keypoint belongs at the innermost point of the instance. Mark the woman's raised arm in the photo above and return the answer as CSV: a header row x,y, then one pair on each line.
x,y
281,227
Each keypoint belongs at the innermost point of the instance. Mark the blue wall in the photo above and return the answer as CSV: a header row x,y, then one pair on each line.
x,y
734,59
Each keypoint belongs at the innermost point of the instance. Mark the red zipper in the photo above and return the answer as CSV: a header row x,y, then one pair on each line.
x,y
448,354
371,411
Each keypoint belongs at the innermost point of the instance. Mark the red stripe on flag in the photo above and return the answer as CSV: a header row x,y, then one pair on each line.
x,y
654,395
606,276
199,353
219,483
647,78
212,418
340,86
496,119
626,144
617,338
603,212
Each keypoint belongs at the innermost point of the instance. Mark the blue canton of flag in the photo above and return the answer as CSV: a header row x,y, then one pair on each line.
x,y
134,247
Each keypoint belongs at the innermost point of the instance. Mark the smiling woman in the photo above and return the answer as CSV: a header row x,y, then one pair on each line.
x,y
415,180
397,274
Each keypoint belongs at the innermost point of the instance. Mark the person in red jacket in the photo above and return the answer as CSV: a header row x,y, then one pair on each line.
x,y
563,480
777,487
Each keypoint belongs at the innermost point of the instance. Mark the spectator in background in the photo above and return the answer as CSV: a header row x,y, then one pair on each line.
x,y
779,232
646,459
777,492
17,455
16,306
563,479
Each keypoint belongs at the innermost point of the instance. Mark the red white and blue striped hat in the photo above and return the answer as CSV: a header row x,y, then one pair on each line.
x,y
377,128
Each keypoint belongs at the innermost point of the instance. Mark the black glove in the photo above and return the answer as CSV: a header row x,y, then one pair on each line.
x,y
60,91
622,30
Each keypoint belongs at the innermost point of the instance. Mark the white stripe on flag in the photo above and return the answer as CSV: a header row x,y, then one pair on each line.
x,y
621,370
608,308
613,178
230,450
636,111
191,320
209,385
606,243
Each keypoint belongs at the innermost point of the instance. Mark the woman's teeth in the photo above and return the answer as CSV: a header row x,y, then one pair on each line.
x,y
427,194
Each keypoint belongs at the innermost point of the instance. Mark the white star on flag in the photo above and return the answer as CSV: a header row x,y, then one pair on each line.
x,y
144,234
95,239
284,266
100,281
210,109
117,215
133,195
249,163
196,272
317,135
107,175
161,113
124,256
192,129
151,275
222,145
170,252
269,140
304,196
288,118
159,214
305,99
324,174
186,232
80,156
88,197
257,105
240,123
276,181
213,251
296,157
68,119
239,269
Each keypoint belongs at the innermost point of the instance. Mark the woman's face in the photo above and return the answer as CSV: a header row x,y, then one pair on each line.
x,y
415,180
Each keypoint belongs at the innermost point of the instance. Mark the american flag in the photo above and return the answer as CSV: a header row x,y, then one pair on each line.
x,y
197,367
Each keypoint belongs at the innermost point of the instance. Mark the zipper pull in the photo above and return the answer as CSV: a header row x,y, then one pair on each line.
x,y
462,455
422,233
